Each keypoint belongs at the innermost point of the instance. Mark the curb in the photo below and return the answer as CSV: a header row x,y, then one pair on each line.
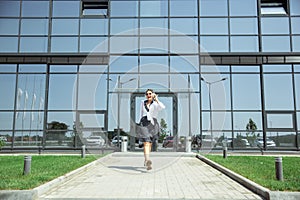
x,y
254,187
35,193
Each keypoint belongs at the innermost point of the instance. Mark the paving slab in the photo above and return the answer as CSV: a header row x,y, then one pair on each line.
x,y
175,175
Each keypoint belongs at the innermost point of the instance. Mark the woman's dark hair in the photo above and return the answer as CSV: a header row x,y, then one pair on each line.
x,y
149,90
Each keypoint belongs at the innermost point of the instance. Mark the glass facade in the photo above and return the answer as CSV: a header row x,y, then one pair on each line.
x,y
219,65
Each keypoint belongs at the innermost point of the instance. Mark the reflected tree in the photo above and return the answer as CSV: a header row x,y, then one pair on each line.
x,y
251,128
163,130
77,134
56,131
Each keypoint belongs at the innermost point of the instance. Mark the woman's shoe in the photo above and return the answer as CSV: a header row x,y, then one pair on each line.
x,y
148,164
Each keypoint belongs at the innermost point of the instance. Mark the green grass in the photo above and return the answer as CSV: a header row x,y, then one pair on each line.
x,y
261,170
44,168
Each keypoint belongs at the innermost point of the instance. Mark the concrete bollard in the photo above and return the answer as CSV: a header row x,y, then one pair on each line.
x,y
188,144
83,151
27,165
224,152
124,143
278,168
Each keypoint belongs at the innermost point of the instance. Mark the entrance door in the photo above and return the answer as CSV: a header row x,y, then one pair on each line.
x,y
169,115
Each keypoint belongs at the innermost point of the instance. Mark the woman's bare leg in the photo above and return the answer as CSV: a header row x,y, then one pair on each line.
x,y
147,150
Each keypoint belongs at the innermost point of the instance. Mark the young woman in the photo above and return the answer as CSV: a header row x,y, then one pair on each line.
x,y
149,111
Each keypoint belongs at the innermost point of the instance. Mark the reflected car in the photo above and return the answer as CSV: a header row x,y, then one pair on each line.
x,y
95,141
168,141
115,140
260,142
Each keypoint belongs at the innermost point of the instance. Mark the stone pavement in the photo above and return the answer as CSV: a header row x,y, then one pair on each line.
x,y
175,175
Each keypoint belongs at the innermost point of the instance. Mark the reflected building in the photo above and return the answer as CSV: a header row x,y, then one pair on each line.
x,y
229,69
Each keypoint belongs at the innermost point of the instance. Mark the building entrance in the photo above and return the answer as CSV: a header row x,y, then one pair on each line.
x,y
167,118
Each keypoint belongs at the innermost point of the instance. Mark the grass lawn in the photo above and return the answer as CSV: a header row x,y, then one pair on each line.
x,y
44,168
261,169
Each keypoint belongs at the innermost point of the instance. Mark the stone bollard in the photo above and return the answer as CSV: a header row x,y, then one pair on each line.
x,y
27,165
124,144
83,151
278,168
188,144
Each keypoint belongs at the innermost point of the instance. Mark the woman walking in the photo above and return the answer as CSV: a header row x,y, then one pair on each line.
x,y
149,126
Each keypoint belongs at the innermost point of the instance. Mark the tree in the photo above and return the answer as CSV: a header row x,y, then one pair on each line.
x,y
163,130
56,131
77,134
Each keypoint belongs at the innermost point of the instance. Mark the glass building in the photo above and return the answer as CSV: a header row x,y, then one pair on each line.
x,y
229,69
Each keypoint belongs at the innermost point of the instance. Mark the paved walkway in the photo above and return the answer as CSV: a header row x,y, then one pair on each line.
x,y
174,176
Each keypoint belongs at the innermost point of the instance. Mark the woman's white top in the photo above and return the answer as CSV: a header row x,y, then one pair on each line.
x,y
154,108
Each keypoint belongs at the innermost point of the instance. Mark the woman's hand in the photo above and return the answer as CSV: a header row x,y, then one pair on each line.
x,y
154,96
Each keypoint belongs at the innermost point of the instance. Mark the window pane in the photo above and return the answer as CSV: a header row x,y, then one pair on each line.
x,y
295,25
8,44
213,8
64,27
7,91
296,43
271,44
8,68
67,118
9,26
64,44
243,8
244,44
280,98
243,26
93,44
294,7
241,119
184,44
184,63
275,25
123,44
185,25
117,8
6,120
246,92
92,92
154,44
220,121
63,68
62,92
245,68
283,140
277,68
154,64
33,44
124,26
66,8
183,8
34,27
92,120
220,26
214,43
9,8
297,89
32,68
35,8
155,8
93,69
94,27
123,64
155,26
280,120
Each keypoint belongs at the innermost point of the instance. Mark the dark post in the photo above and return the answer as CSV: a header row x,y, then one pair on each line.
x,y
27,165
224,152
278,168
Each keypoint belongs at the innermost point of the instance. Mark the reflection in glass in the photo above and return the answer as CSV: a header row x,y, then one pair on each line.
x,y
246,92
62,91
245,68
117,8
280,120
6,120
63,68
184,44
297,91
28,138
281,139
294,6
65,26
220,26
64,44
282,97
66,8
8,44
277,68
93,27
27,120
296,43
271,44
154,64
214,43
123,44
184,63
9,26
124,26
187,26
92,120
33,44
155,8
9,8
7,91
213,8
183,8
154,44
66,118
244,44
93,44
123,63
243,26
34,27
158,26
275,25
243,8
220,121
35,8
241,119
32,68
295,25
